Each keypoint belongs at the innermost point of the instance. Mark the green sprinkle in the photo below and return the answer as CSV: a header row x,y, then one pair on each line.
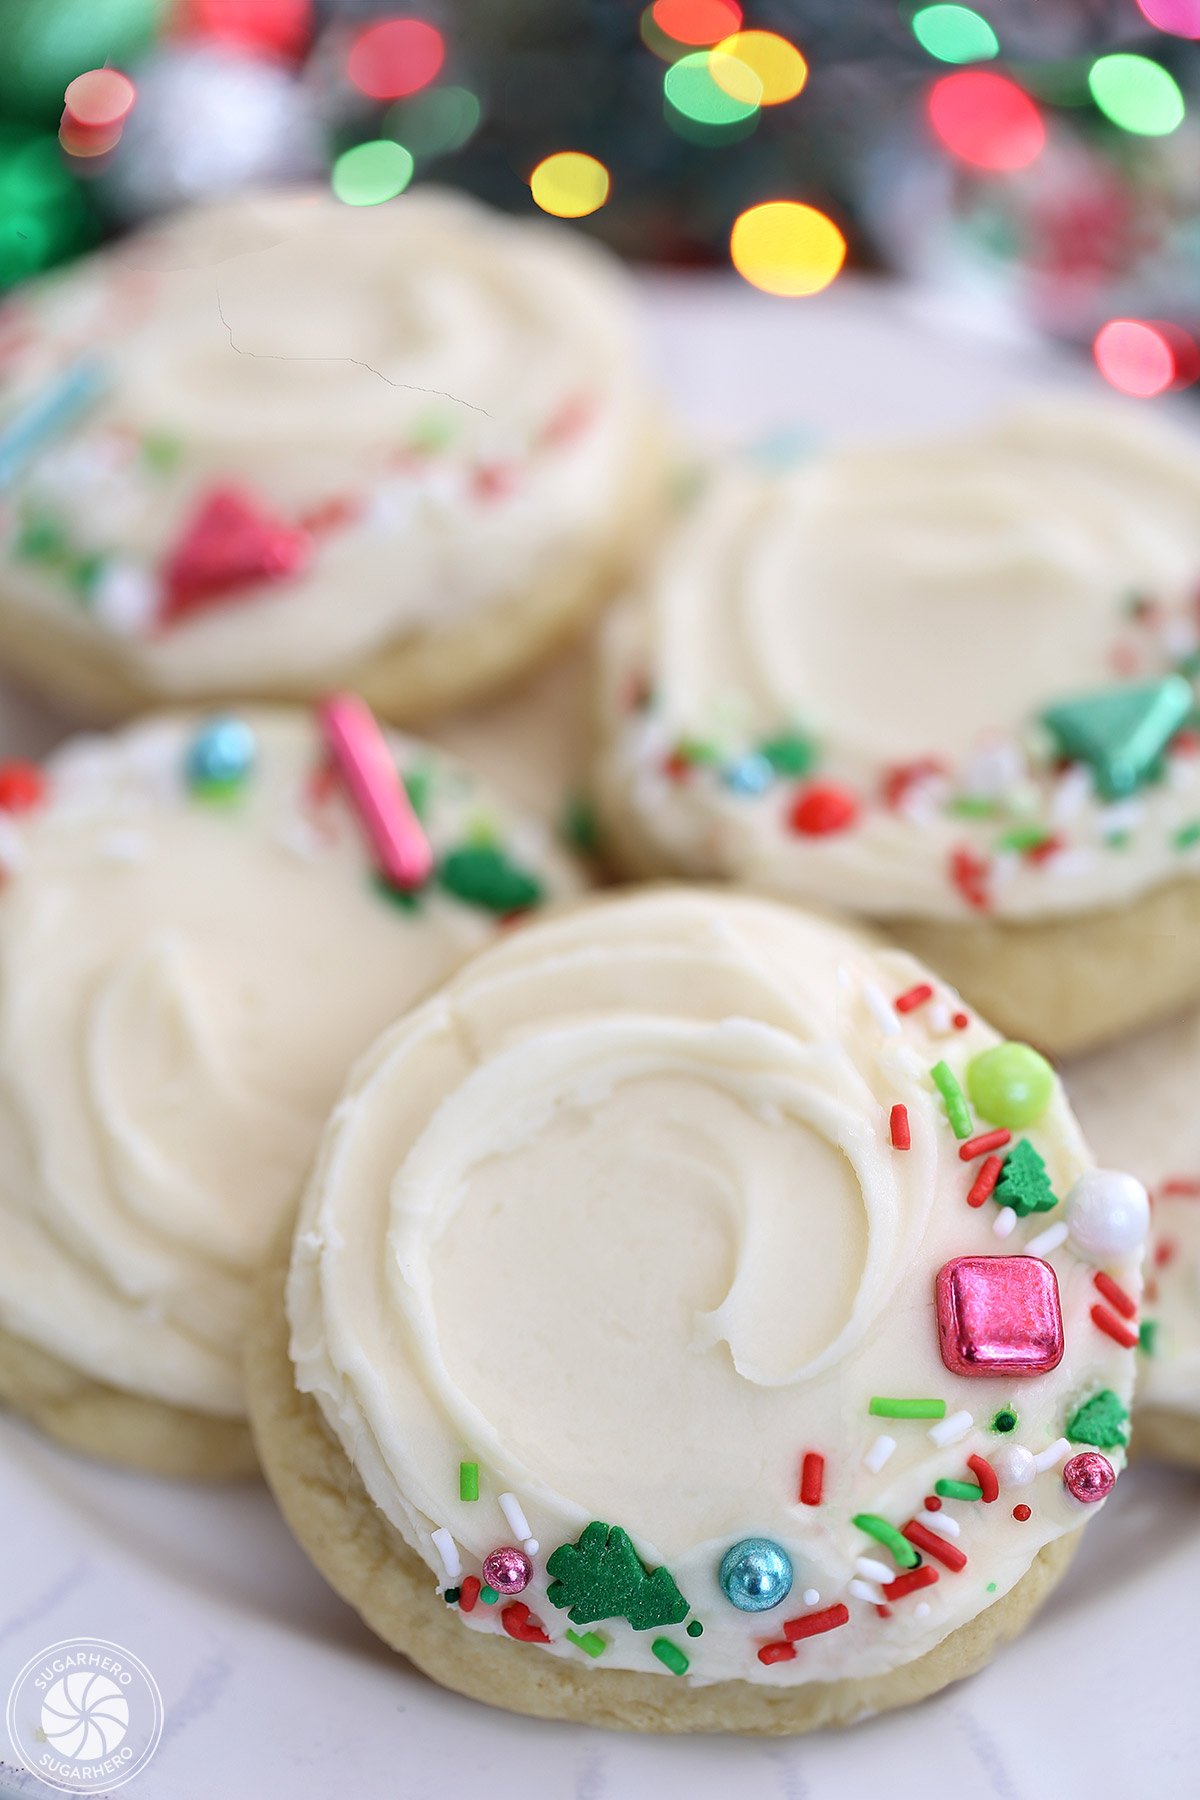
x,y
889,1537
418,785
957,1110
406,899
671,1655
1119,840
1023,837
161,451
1148,1337
488,1595
452,1596
991,1587
218,793
885,1408
1187,835
1024,1184
971,806
468,1481
958,1490
1121,731
590,1642
42,539
1101,1421
1005,1420
432,432
789,753
695,1629
483,876
85,571
695,750
580,826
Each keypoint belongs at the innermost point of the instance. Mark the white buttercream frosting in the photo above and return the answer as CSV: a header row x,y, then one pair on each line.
x,y
449,400
1138,1105
908,612
618,1217
184,981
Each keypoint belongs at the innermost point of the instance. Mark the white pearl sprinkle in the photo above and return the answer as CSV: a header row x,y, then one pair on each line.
x,y
949,1431
879,1452
922,1609
1107,1215
1015,1466
810,1596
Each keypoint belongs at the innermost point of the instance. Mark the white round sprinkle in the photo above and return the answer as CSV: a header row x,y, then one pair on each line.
x,y
1108,1214
125,597
810,1596
1014,1465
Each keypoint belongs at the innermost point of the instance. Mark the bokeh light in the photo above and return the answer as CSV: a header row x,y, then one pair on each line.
x,y
777,66
696,21
986,120
1134,357
692,89
955,34
95,107
281,26
1137,94
785,247
372,172
1180,17
570,184
436,121
395,57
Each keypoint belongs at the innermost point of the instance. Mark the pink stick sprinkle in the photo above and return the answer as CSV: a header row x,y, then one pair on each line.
x,y
376,792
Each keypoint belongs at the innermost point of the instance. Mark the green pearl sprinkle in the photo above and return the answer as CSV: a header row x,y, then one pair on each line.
x,y
695,1629
1005,1420
1010,1085
488,1595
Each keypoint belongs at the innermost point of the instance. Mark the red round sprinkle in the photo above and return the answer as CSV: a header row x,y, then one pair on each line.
x,y
822,808
1022,1513
22,786
960,1021
933,1503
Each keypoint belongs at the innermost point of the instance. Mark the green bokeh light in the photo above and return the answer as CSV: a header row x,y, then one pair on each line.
x,y
690,90
372,172
436,121
955,34
1137,94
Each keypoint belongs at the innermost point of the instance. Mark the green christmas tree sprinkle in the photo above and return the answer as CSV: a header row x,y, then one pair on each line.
x,y
1100,1421
482,875
1024,1184
789,753
601,1576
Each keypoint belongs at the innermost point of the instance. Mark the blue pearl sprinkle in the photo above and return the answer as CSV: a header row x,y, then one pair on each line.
x,y
221,754
755,1575
749,775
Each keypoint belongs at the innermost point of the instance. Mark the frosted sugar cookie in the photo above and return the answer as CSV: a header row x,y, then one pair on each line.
x,y
279,444
196,939
683,1329
1138,1105
951,686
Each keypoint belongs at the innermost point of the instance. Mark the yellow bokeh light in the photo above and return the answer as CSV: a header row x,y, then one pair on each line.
x,y
785,247
570,184
778,66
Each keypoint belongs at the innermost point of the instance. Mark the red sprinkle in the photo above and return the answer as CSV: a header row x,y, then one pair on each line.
x,y
987,1140
1119,1332
983,1184
1186,742
812,1478
933,1545
901,1135
885,1612
1043,850
910,1581
22,786
1180,1187
492,481
1164,1252
913,997
969,873
933,1503
520,1624
822,808
960,1021
902,776
781,1651
1116,1296
985,1475
1022,1513
676,766
813,1624
329,514
468,1593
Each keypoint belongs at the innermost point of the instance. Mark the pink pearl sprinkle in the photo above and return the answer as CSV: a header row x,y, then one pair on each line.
x,y
508,1570
1089,1476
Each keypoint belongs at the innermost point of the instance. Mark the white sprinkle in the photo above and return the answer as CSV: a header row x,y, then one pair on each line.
x,y
1072,794
447,1550
518,1524
12,848
872,1570
1051,1457
993,769
865,1590
938,1018
531,1546
126,597
810,1596
949,1431
940,1522
921,1610
879,1452
1124,816
126,846
1004,1221
883,1014
1047,1240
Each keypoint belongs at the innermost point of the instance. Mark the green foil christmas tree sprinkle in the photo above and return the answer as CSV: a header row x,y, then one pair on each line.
x,y
601,1576
1121,732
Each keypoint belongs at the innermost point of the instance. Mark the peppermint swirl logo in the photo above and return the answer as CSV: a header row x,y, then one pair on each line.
x,y
85,1715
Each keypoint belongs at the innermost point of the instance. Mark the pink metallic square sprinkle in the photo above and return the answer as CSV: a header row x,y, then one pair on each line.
x,y
999,1315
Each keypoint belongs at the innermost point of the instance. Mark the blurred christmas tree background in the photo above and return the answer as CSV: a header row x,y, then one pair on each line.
x,y
1040,157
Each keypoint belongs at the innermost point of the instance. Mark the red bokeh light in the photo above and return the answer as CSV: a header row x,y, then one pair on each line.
x,y
697,22
280,27
986,120
395,58
1135,357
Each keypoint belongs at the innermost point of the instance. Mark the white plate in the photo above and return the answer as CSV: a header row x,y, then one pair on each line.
x,y
272,1686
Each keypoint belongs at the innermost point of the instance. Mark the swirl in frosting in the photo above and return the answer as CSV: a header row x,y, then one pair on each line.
x,y
835,684
618,1217
183,983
